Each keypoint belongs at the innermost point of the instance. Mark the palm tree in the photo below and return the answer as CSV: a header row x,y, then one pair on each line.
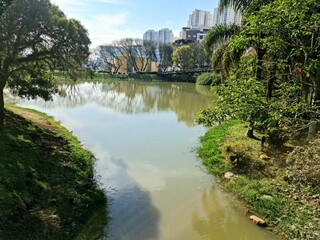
x,y
218,38
217,43
243,5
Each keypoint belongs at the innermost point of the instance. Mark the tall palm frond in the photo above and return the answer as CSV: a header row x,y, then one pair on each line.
x,y
217,57
239,5
243,5
224,58
219,34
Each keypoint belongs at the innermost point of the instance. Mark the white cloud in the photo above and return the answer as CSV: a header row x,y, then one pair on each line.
x,y
102,28
108,27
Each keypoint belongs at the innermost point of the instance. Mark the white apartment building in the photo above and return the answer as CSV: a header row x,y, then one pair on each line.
x,y
228,16
150,35
200,19
164,36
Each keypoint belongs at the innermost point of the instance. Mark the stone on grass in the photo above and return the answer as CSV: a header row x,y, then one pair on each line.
x,y
258,221
264,157
229,175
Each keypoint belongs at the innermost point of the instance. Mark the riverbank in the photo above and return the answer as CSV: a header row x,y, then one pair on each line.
x,y
142,77
268,180
47,188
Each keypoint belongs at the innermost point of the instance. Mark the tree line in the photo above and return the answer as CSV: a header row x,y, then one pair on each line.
x,y
270,67
139,54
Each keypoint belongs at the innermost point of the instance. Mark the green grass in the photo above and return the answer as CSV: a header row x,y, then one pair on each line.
x,y
291,212
47,187
210,149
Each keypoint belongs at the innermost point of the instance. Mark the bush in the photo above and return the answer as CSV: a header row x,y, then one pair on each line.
x,y
304,164
210,79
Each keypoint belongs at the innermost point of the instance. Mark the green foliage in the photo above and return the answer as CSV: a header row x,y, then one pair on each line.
x,y
4,4
183,57
304,165
260,184
165,56
219,34
240,98
210,151
290,220
210,79
47,188
37,38
275,86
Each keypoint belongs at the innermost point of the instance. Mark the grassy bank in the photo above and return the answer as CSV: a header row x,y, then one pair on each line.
x,y
47,186
263,180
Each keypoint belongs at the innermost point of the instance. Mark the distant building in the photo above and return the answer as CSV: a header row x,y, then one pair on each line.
x,y
199,23
227,16
125,67
164,36
194,34
200,19
150,35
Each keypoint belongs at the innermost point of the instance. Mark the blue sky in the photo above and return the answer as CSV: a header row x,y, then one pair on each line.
x,y
108,20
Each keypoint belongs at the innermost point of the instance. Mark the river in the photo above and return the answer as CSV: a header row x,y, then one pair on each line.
x,y
144,139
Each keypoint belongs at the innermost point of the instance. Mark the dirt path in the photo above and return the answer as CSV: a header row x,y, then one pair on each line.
x,y
37,118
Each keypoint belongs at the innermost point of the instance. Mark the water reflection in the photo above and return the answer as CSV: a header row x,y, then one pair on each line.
x,y
142,134
133,214
220,219
135,97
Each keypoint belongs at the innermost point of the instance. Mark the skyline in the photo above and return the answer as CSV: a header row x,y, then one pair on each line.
x,y
109,20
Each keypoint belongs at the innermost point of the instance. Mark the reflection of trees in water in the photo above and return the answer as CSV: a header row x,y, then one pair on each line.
x,y
216,218
135,97
219,219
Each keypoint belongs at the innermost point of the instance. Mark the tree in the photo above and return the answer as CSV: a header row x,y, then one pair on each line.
x,y
94,61
37,38
4,4
111,56
217,43
288,32
244,6
138,53
183,57
200,59
165,56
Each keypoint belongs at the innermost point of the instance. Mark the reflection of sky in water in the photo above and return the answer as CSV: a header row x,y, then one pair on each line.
x,y
142,136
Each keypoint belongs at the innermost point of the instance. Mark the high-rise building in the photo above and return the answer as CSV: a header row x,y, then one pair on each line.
x,y
150,35
200,19
164,35
227,16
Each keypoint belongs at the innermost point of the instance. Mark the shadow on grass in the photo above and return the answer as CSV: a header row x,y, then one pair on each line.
x,y
47,189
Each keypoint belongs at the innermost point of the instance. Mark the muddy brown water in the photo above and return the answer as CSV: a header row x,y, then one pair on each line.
x,y
144,139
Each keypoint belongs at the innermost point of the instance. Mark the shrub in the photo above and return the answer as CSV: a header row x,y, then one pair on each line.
x,y
209,79
304,164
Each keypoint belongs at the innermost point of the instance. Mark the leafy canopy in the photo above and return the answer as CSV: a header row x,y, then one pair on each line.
x,y
36,39
183,57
